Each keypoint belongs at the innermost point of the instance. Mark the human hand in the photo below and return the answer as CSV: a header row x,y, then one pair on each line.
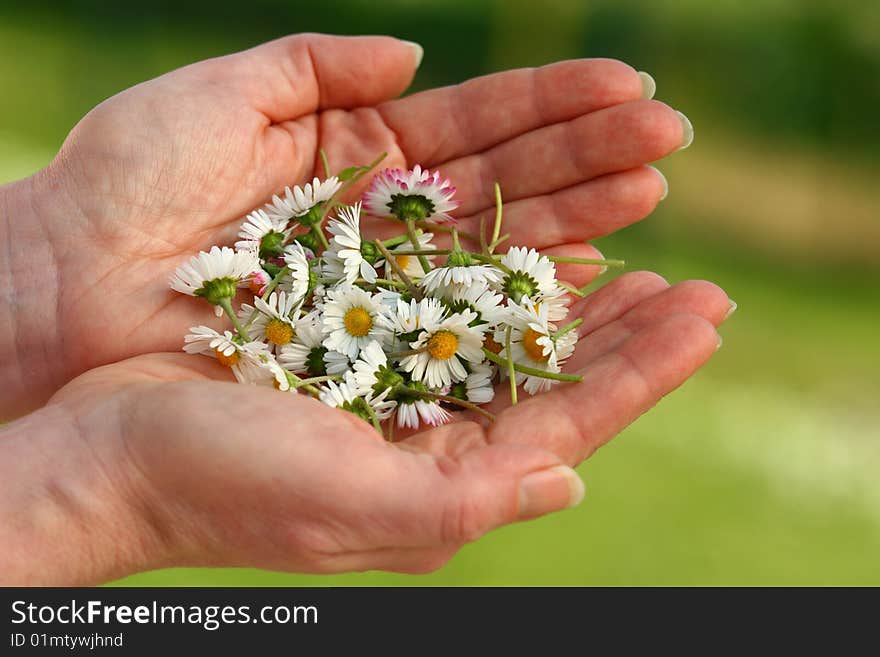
x,y
169,167
150,463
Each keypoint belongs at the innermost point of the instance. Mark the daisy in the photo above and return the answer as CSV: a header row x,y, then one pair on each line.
x,y
460,272
477,388
373,374
306,354
411,196
555,301
222,346
303,203
355,256
343,395
257,282
411,409
481,299
265,372
533,344
410,264
407,321
350,323
263,234
301,277
438,362
214,275
530,274
276,317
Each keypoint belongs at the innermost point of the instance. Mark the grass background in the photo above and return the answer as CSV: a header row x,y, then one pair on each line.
x,y
763,469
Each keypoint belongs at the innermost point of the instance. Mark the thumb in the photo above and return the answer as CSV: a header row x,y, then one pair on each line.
x,y
498,485
303,73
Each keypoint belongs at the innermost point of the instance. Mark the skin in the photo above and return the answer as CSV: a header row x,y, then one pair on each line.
x,y
141,457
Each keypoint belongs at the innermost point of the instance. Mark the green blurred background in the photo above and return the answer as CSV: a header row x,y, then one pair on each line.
x,y
763,469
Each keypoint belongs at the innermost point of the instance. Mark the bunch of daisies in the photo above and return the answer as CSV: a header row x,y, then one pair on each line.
x,y
399,331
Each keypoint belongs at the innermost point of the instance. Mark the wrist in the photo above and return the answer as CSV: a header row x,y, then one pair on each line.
x,y
72,512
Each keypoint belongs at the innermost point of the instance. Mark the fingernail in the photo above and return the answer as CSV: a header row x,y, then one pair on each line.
x,y
599,256
732,310
687,131
549,490
649,87
662,180
418,51
720,342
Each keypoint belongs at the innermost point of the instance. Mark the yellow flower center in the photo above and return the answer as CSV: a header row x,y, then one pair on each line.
x,y
357,322
443,345
402,261
278,332
490,344
530,345
228,361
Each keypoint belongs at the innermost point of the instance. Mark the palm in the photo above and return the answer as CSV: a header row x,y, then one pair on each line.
x,y
159,180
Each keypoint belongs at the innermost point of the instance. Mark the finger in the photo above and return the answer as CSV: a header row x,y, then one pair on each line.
x,y
410,561
585,211
303,73
603,306
464,119
700,298
574,420
455,499
565,154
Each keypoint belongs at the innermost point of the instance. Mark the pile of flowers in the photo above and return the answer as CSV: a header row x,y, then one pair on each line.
x,y
397,331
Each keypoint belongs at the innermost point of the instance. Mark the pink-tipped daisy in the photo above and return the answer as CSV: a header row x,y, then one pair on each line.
x,y
415,195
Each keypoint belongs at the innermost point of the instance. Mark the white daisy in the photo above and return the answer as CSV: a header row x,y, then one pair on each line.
x,y
477,388
263,234
481,299
410,264
305,353
350,316
276,318
299,201
342,394
299,280
354,255
532,344
222,346
411,195
444,349
372,373
214,275
265,372
450,278
530,274
555,301
409,319
410,410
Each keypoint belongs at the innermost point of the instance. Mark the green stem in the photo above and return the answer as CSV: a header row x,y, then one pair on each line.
x,y
496,229
587,261
377,425
297,382
396,241
421,252
318,379
333,201
511,372
408,352
492,260
568,328
531,371
318,232
325,163
392,262
414,240
571,288
227,308
381,281
454,400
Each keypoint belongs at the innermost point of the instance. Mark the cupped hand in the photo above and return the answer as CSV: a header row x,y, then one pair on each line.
x,y
162,464
170,166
